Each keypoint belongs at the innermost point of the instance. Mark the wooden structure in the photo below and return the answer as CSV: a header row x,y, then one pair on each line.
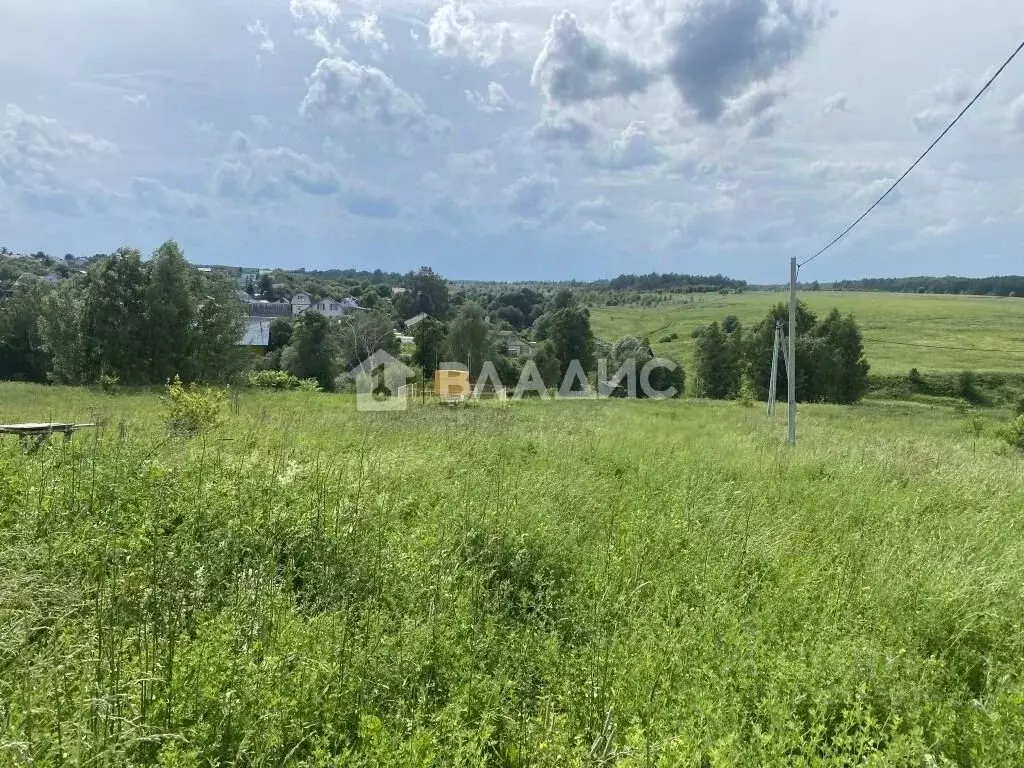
x,y
40,433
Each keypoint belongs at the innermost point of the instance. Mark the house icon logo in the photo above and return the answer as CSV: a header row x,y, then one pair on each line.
x,y
382,383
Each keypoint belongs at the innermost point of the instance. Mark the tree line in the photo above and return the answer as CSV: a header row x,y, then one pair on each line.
x,y
127,320
1009,285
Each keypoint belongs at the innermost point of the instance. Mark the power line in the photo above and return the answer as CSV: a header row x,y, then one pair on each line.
x,y
922,157
943,347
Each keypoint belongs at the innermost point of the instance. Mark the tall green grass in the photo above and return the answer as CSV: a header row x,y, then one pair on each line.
x,y
547,584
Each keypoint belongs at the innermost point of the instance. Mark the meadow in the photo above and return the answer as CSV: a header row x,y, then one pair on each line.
x,y
898,328
537,584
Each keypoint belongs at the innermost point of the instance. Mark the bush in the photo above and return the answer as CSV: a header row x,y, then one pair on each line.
x,y
281,380
668,339
109,384
1013,433
1019,409
915,380
967,386
192,411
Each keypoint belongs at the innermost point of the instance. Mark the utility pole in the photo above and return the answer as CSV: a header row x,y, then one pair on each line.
x,y
791,368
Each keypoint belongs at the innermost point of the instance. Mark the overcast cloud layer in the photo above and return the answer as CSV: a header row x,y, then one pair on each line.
x,y
526,139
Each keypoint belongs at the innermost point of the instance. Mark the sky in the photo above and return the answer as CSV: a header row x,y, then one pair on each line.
x,y
518,139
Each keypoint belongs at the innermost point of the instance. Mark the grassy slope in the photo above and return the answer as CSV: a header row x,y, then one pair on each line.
x,y
554,584
958,321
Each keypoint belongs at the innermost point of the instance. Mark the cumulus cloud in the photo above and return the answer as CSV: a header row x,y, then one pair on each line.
x,y
934,107
346,90
634,148
43,138
259,29
159,198
316,11
562,129
598,208
496,99
254,174
251,173
532,197
756,111
366,30
33,151
455,31
719,48
836,103
712,51
577,65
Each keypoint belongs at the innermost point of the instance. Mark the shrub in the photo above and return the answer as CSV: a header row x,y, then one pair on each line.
x,y
281,380
108,383
967,386
1019,409
1013,433
915,380
667,339
192,411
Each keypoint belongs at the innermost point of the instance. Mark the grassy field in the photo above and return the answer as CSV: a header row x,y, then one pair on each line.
x,y
544,584
992,324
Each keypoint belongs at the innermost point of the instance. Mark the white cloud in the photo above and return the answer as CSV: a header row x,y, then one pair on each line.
x,y
366,30
935,107
253,174
598,208
564,129
35,152
577,65
455,30
633,149
532,197
496,99
157,197
837,102
345,90
316,11
259,29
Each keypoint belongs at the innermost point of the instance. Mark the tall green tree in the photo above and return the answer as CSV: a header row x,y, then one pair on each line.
x,y
426,291
170,299
431,337
219,324
61,325
718,367
571,337
22,351
470,338
311,354
114,319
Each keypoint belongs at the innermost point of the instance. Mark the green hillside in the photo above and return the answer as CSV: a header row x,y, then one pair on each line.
x,y
993,327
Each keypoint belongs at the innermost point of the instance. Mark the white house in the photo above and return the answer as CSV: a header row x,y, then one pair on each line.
x,y
328,307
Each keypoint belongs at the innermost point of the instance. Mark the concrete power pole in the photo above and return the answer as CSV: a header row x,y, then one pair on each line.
x,y
791,372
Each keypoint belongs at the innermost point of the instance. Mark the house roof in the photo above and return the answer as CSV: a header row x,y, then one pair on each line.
x,y
417,319
257,333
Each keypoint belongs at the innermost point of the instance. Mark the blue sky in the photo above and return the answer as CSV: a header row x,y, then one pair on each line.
x,y
515,140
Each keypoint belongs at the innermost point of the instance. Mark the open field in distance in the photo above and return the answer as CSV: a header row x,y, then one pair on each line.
x,y
992,324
